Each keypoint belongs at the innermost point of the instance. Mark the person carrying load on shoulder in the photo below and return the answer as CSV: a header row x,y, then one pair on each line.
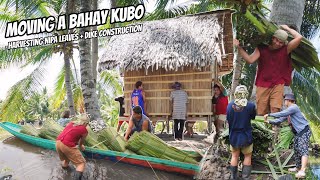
x,y
138,122
72,135
240,112
301,130
274,68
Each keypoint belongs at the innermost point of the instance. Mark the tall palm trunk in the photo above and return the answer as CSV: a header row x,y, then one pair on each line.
x,y
94,46
237,67
87,83
288,12
67,55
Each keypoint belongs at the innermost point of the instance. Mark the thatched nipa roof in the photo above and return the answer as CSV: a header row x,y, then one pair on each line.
x,y
192,40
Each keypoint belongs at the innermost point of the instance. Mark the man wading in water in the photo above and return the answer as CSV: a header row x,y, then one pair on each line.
x,y
66,145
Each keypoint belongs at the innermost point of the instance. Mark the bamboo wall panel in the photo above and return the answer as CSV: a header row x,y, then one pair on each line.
x,y
157,86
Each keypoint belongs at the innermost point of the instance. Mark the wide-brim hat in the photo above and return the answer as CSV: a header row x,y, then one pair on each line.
x,y
176,85
289,97
281,35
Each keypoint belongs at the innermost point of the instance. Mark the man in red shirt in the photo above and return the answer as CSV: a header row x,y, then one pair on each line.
x,y
274,68
66,144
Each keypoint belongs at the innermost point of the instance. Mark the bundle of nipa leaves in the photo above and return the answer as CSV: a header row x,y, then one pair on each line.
x,y
110,138
30,130
50,130
147,144
92,140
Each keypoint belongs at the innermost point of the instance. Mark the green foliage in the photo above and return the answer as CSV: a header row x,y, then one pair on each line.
x,y
285,138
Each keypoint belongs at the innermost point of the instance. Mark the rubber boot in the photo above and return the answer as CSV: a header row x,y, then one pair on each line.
x,y
246,172
77,175
234,172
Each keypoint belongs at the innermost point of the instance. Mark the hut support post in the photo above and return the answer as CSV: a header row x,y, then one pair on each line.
x,y
209,124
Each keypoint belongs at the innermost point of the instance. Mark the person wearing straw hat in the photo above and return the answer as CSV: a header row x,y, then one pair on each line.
x,y
179,99
66,144
240,112
138,122
300,127
274,68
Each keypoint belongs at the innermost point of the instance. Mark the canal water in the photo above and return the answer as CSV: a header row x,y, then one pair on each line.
x,y
27,162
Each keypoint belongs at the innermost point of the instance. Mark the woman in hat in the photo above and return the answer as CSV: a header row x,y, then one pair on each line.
x,y
67,141
240,112
300,127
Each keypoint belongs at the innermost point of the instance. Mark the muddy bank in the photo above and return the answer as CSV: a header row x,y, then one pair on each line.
x,y
28,162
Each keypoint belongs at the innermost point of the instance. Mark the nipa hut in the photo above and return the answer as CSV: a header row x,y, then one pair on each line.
x,y
192,49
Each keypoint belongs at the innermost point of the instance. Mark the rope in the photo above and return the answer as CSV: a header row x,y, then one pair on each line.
x,y
153,170
120,159
112,140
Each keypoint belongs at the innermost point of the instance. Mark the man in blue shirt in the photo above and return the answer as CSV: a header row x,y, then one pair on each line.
x,y
239,115
300,127
138,97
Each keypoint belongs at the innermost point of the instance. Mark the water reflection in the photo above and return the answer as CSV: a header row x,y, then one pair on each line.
x,y
25,161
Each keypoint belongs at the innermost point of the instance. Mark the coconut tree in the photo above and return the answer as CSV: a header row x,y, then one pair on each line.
x,y
37,55
87,82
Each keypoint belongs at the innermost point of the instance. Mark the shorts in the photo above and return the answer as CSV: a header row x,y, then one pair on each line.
x,y
221,117
69,154
268,98
244,150
120,122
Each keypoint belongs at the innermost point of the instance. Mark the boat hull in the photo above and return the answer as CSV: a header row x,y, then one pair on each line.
x,y
138,160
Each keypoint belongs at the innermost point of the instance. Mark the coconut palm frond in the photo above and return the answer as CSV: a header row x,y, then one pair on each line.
x,y
59,94
78,99
286,137
121,3
311,18
167,9
111,80
23,55
44,53
306,87
12,107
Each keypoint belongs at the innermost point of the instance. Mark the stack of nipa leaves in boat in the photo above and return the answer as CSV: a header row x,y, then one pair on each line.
x,y
50,130
110,138
30,130
147,144
92,140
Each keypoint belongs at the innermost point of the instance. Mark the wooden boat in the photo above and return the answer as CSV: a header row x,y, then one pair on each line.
x,y
145,161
